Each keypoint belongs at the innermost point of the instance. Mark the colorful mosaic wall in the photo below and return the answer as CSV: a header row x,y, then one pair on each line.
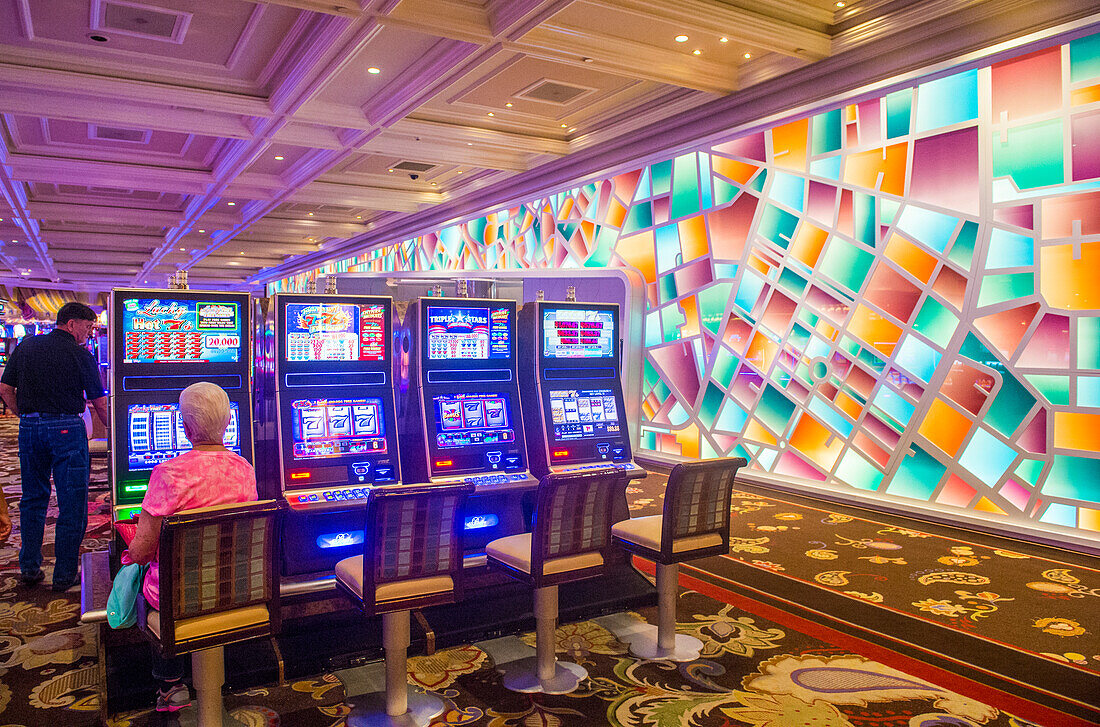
x,y
895,296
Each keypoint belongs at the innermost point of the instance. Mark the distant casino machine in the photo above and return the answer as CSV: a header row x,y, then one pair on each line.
x,y
162,342
462,420
573,396
337,427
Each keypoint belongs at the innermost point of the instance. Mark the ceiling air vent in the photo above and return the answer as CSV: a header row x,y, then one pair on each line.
x,y
114,133
554,92
140,21
413,166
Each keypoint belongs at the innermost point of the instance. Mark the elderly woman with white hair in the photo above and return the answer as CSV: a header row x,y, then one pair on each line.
x,y
208,474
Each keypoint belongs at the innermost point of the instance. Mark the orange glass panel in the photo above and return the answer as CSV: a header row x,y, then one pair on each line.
x,y
1085,95
811,439
638,250
911,258
759,264
1088,519
945,427
808,243
985,505
691,317
875,330
1069,282
693,238
1076,430
789,145
848,405
863,169
616,213
732,169
755,432
688,439
762,351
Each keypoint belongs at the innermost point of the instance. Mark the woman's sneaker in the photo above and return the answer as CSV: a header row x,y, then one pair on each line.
x,y
174,699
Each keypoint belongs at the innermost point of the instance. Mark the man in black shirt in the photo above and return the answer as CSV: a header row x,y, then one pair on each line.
x,y
45,383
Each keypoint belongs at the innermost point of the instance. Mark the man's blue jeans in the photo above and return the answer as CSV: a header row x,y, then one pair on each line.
x,y
58,444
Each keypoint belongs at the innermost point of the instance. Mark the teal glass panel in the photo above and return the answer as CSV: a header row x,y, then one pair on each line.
x,y
712,305
836,420
850,346
1084,58
725,270
1053,388
1031,155
639,218
700,356
999,288
724,192
712,402
792,282
661,175
1012,404
748,292
666,288
671,320
858,472
1009,250
653,335
947,101
1074,478
863,218
1029,470
678,415
931,229
758,182
871,360
767,458
643,190
893,404
704,175
827,130
936,322
846,263
1059,514
650,376
987,457
647,439
918,358
606,237
668,248
917,477
1088,391
725,364
685,191
829,167
962,252
1088,343
789,190
818,347
777,225
899,107
798,337
888,210
775,409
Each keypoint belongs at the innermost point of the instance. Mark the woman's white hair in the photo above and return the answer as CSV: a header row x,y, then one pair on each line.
x,y
205,410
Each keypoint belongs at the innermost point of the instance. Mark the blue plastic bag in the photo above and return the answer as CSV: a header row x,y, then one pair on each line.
x,y
122,603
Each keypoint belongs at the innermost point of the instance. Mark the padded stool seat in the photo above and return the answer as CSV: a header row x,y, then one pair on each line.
x,y
695,524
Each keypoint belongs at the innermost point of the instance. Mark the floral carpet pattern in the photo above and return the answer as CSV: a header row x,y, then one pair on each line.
x,y
752,672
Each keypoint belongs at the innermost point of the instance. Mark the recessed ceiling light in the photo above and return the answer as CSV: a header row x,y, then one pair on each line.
x,y
278,158
681,39
491,113
697,52
586,59
373,71
232,204
840,4
242,252
469,143
182,249
564,125
202,231
748,55
310,214
573,129
434,184
723,39
389,170
358,217
509,104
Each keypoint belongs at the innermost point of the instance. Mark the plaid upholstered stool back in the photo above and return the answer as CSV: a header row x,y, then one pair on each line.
x,y
572,518
217,562
697,500
412,554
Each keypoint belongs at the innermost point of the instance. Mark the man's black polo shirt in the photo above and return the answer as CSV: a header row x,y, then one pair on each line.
x,y
51,374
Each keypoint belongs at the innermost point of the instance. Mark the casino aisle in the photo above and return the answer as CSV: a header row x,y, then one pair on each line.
x,y
754,671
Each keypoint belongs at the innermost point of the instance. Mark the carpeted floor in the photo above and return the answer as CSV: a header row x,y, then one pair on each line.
x,y
754,671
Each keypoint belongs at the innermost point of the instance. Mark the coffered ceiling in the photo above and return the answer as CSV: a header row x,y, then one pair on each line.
x,y
237,139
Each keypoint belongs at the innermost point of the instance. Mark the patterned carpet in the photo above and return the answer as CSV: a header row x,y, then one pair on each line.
x,y
753,672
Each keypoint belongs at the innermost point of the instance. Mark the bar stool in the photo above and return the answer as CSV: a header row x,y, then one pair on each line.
x,y
695,524
572,528
219,584
411,558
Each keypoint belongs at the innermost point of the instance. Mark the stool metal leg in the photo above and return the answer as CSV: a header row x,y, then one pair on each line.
x,y
663,642
404,706
208,674
545,673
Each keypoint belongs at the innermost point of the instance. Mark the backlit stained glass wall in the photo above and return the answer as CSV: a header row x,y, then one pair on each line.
x,y
900,295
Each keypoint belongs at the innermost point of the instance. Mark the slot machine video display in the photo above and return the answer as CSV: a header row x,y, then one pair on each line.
x,y
163,341
337,424
573,397
462,416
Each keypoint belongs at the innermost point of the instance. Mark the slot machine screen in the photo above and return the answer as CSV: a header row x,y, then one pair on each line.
x,y
159,330
468,332
335,332
578,333
583,414
328,428
155,434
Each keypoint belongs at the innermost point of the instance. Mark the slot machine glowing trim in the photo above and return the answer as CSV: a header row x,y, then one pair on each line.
x,y
325,428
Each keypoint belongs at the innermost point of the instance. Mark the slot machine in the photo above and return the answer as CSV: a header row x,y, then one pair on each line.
x,y
336,422
162,341
462,420
572,388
